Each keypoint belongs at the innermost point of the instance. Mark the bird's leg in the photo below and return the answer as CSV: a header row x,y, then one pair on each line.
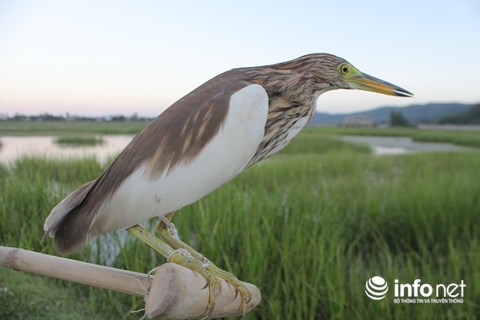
x,y
182,257
155,243
167,231
166,223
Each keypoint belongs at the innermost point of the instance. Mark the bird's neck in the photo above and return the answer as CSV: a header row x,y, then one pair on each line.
x,y
293,87
290,93
291,105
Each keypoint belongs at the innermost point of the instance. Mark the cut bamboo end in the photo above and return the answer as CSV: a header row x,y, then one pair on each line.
x,y
179,293
174,293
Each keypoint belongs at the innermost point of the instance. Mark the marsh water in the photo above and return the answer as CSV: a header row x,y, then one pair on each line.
x,y
11,148
401,145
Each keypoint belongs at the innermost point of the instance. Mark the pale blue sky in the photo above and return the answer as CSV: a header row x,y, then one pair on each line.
x,y
111,57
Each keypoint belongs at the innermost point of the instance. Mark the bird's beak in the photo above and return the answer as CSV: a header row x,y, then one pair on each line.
x,y
363,81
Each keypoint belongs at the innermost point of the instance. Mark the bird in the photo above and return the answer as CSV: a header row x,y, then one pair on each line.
x,y
203,140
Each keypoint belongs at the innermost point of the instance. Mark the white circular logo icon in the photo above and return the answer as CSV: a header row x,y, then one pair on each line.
x,y
376,288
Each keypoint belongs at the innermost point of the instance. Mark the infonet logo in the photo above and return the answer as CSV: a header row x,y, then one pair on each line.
x,y
376,288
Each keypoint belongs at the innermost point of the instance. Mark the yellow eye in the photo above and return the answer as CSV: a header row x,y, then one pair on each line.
x,y
344,69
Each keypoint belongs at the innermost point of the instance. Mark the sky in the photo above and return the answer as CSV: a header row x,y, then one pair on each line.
x,y
124,57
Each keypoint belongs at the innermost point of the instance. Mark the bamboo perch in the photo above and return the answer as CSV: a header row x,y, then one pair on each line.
x,y
175,292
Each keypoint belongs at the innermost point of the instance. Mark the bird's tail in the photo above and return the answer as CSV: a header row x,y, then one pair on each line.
x,y
68,223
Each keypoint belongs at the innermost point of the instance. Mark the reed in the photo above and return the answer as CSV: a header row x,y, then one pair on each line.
x,y
308,227
79,140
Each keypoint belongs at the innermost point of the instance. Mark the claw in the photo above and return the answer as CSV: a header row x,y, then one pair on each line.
x,y
246,297
184,258
240,288
236,294
206,285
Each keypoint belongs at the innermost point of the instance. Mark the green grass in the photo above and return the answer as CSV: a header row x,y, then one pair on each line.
x,y
32,297
308,227
21,128
79,140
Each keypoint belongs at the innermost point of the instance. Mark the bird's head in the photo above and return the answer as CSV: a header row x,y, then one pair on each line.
x,y
330,72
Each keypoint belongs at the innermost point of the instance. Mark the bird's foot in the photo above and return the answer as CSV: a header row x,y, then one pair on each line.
x,y
180,253
164,230
240,288
184,258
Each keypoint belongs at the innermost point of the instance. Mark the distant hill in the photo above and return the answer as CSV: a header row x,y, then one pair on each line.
x,y
427,113
470,116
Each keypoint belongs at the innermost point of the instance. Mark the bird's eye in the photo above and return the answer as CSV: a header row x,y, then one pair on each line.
x,y
344,69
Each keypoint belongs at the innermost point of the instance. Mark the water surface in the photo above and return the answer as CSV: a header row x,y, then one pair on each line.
x,y
401,145
13,148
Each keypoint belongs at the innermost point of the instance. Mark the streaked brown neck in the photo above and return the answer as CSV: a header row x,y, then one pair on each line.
x,y
291,98
294,85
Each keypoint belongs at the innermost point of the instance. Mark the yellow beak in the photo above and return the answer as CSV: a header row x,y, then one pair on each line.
x,y
365,82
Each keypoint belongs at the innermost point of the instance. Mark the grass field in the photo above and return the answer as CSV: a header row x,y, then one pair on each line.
x,y
83,140
309,227
66,128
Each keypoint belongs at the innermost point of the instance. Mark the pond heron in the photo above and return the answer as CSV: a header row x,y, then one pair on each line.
x,y
200,142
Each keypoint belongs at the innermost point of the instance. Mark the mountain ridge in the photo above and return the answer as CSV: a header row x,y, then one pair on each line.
x,y
416,113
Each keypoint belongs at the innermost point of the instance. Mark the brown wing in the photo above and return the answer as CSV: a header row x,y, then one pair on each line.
x,y
174,137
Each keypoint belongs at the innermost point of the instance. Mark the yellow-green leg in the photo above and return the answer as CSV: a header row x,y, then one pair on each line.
x,y
167,231
182,257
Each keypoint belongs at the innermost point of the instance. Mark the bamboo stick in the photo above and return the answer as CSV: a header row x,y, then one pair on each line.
x,y
73,270
174,293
